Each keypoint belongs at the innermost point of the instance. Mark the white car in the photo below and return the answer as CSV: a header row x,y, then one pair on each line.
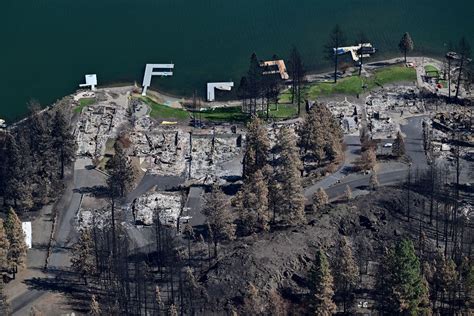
x,y
387,145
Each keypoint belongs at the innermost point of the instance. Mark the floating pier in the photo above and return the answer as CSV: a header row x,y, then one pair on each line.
x,y
91,81
366,48
281,68
211,86
163,70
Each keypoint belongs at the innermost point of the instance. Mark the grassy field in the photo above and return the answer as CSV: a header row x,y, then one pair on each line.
x,y
231,114
234,114
354,85
161,111
431,71
83,103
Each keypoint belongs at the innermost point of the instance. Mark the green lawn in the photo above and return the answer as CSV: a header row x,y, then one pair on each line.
x,y
84,103
431,71
231,114
353,85
161,111
285,111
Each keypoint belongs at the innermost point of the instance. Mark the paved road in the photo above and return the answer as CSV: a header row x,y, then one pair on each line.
x,y
335,184
64,234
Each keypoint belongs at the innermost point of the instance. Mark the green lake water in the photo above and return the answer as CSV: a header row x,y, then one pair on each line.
x,y
48,45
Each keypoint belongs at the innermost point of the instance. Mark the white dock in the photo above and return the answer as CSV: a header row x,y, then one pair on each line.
x,y
354,50
151,70
212,86
91,81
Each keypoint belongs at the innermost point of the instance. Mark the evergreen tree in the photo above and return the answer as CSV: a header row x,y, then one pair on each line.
x,y
257,147
4,305
320,199
291,205
368,159
465,53
321,286
297,76
346,272
467,279
336,40
348,193
404,280
4,248
374,181
63,140
398,147
252,204
94,307
219,217
82,259
446,278
254,83
405,45
172,311
16,237
320,136
158,300
16,175
121,173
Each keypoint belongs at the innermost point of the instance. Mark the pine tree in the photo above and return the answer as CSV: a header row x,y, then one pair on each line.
x,y
276,304
398,148
4,248
94,307
252,204
368,159
406,44
321,286
297,76
336,40
465,53
348,193
252,302
82,259
374,181
121,172
446,278
172,311
4,305
63,141
257,147
17,180
320,136
320,199
404,280
16,237
346,272
219,217
254,83
467,279
158,300
291,206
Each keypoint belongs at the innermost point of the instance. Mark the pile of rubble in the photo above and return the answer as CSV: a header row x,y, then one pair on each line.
x,y
166,206
213,154
162,151
347,113
98,123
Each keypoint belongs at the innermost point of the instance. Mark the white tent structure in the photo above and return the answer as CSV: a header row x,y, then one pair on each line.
x,y
211,86
150,71
91,81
